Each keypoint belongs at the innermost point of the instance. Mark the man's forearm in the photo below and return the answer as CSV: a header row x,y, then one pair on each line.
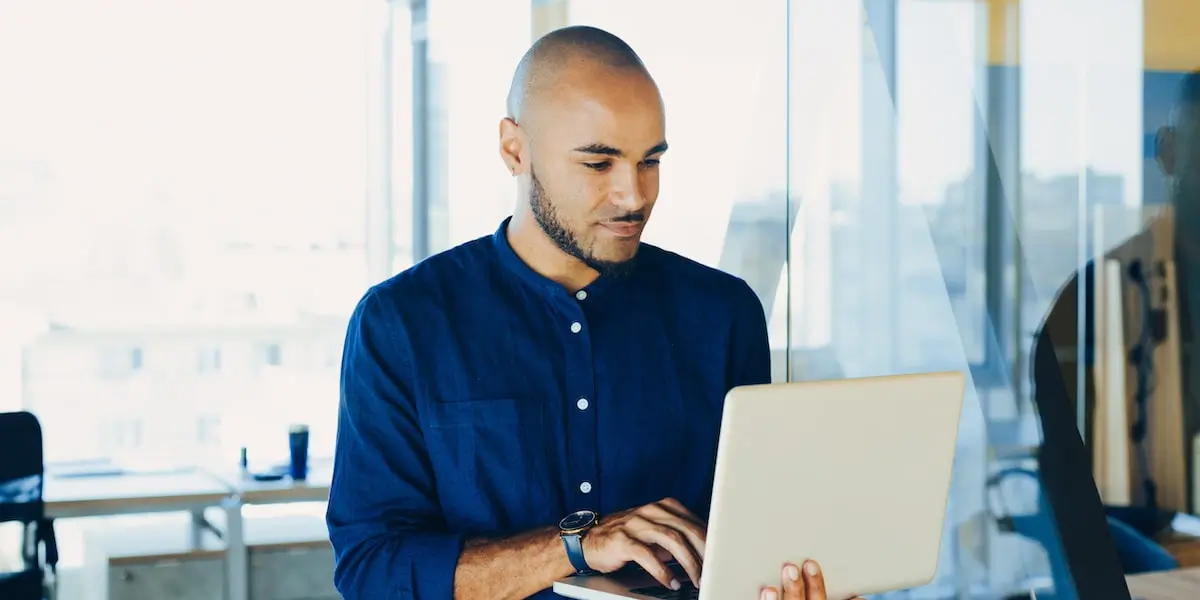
x,y
515,567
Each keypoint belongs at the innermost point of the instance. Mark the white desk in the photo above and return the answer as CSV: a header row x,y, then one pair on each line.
x,y
191,491
284,491
108,495
104,495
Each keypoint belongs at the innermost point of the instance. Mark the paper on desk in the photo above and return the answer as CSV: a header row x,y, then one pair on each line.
x,y
1186,524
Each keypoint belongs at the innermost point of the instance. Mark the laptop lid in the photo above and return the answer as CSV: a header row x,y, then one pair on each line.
x,y
854,473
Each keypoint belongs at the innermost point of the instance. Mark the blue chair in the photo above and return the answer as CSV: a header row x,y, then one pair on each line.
x,y
22,472
1138,553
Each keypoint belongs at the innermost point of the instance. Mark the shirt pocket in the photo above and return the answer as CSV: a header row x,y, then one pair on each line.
x,y
489,458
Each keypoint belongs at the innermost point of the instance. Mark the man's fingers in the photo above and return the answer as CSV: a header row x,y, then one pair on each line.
x,y
793,587
814,582
693,535
677,544
686,523
644,556
768,593
678,509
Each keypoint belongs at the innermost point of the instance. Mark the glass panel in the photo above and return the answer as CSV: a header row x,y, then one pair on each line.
x,y
1082,143
1107,214
723,199
472,54
888,260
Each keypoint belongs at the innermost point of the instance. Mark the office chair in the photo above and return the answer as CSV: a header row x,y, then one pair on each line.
x,y
1136,552
22,471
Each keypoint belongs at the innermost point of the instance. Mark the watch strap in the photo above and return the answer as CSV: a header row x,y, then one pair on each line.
x,y
574,544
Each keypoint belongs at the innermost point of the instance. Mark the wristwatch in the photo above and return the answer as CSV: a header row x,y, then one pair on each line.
x,y
572,529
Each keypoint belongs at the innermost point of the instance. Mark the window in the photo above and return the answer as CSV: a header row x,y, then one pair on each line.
x,y
122,436
1083,152
738,214
272,355
208,430
460,95
208,359
206,192
118,362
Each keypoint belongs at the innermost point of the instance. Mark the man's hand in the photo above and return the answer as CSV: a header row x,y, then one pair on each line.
x,y
633,535
806,584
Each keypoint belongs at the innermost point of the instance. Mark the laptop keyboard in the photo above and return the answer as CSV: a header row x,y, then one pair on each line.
x,y
686,592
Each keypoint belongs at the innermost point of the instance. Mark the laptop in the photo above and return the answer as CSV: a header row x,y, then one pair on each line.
x,y
854,473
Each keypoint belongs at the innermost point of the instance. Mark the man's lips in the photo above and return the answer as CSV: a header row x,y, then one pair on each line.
x,y
624,228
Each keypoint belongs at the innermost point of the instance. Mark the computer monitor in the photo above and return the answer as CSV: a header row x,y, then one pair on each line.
x,y
1085,549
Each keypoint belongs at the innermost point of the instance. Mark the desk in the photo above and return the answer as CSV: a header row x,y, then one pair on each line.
x,y
108,495
1171,585
314,489
1185,549
105,495
191,491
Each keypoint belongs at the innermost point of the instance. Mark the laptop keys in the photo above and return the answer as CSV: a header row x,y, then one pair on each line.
x,y
686,592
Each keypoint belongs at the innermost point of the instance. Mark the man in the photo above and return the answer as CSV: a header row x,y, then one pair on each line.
x,y
1174,235
558,365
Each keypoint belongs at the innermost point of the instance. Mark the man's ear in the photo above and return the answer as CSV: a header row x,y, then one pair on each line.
x,y
512,144
1164,152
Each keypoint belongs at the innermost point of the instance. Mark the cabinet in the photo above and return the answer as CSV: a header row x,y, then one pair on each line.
x,y
290,559
186,579
152,562
292,572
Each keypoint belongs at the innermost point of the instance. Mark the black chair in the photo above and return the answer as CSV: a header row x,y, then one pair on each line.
x,y
22,472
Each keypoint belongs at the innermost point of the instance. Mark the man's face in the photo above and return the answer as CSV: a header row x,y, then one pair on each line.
x,y
1187,140
1179,150
594,153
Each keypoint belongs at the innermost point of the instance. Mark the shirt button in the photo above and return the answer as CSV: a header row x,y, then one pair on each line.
x,y
581,295
582,404
585,487
576,327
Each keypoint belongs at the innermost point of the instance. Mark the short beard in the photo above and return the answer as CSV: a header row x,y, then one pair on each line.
x,y
547,218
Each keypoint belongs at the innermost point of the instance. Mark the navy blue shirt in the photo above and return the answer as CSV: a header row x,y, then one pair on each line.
x,y
480,398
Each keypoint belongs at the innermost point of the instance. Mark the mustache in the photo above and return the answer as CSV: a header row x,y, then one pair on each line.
x,y
633,217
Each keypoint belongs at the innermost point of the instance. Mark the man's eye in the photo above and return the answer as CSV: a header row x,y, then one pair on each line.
x,y
650,163
600,166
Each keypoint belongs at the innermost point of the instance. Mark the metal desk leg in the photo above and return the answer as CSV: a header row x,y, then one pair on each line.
x,y
236,560
199,524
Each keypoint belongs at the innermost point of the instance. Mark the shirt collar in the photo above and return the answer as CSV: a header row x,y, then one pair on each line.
x,y
513,263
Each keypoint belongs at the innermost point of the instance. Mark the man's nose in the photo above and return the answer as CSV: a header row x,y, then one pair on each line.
x,y
626,192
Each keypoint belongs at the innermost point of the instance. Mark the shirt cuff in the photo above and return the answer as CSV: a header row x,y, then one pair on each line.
x,y
433,558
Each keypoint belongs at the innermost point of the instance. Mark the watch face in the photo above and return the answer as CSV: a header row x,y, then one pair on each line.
x,y
577,520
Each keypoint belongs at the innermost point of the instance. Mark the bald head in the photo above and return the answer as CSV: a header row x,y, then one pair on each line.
x,y
1179,142
554,54
584,135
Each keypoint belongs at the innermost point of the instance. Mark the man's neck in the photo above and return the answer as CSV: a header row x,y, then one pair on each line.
x,y
541,254
1187,223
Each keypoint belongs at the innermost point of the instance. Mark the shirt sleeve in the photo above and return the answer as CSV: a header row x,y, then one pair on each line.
x,y
384,518
751,359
